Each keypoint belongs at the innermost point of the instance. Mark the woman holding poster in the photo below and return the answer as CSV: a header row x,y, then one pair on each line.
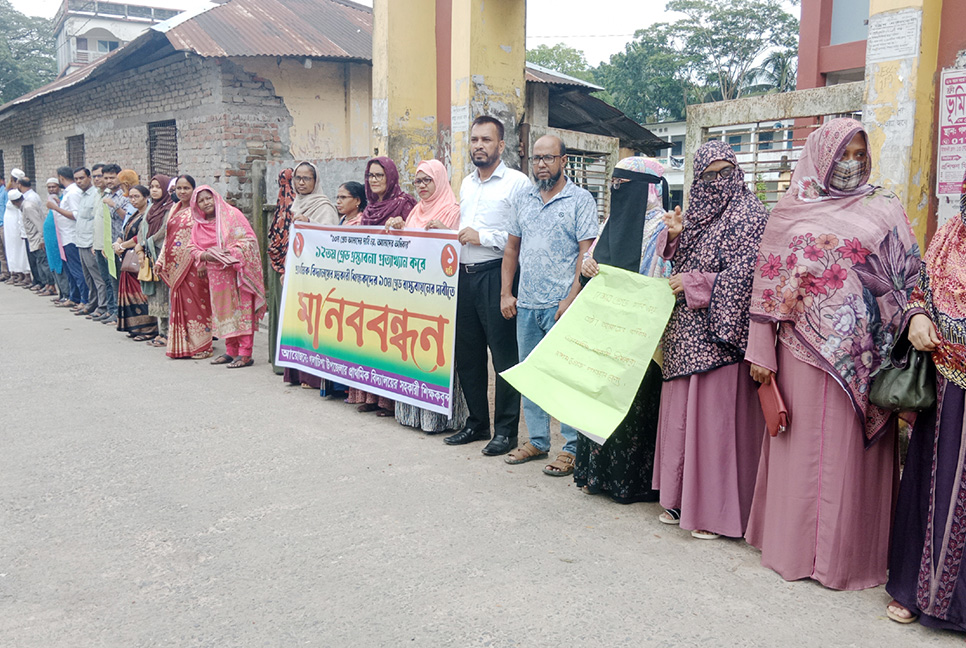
x,y
223,244
624,465
437,209
836,266
385,200
710,427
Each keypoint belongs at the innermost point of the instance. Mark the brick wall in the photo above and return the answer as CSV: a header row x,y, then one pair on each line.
x,y
226,118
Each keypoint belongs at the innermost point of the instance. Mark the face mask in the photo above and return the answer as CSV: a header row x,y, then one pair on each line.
x,y
847,175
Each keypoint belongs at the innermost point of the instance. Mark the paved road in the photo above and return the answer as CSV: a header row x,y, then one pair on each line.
x,y
150,502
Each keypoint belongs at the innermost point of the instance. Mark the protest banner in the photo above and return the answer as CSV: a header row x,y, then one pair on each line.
x,y
372,310
588,368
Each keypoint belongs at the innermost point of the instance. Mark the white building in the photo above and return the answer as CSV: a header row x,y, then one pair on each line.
x,y
86,30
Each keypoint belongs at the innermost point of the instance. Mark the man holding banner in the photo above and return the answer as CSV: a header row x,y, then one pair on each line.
x,y
555,224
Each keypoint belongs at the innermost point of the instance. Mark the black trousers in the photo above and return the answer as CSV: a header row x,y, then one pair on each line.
x,y
480,324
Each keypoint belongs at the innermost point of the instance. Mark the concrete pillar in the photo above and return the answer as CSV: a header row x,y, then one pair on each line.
x,y
901,56
404,83
488,63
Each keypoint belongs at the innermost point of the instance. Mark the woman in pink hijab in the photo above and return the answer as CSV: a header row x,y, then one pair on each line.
x,y
437,209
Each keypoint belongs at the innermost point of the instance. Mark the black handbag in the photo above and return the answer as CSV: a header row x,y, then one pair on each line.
x,y
908,383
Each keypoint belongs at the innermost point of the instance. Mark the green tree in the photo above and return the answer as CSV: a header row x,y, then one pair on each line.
x,y
727,38
27,58
561,58
650,80
777,73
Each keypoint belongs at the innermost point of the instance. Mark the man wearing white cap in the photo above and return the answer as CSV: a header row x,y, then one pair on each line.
x,y
13,242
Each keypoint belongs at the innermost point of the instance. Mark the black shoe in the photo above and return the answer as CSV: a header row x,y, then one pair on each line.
x,y
467,435
500,445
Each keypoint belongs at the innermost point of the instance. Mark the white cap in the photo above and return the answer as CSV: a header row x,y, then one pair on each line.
x,y
14,195
17,173
53,181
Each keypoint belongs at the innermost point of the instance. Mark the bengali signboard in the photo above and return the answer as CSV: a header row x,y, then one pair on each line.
x,y
372,310
952,133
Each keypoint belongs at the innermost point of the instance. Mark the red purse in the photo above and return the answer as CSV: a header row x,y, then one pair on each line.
x,y
773,407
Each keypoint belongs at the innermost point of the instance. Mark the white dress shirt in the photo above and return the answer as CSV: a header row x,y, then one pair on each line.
x,y
69,202
486,206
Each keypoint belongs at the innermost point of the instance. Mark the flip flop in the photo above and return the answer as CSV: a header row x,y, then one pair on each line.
x,y
238,364
222,359
155,343
670,516
897,618
203,355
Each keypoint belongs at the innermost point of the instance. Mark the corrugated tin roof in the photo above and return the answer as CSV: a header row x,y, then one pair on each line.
x,y
540,74
74,78
309,28
580,111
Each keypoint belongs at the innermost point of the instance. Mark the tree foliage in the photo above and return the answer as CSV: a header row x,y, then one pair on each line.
x,y
27,58
561,58
717,50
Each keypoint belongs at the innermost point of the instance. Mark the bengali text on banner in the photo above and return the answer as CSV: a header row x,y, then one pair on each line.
x,y
372,310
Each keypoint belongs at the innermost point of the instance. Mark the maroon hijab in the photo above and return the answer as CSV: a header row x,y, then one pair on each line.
x,y
159,208
394,202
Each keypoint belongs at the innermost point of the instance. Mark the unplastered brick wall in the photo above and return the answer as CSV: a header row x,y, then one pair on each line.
x,y
226,118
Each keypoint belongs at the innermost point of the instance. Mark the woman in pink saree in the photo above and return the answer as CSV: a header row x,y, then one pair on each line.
x,y
224,246
189,328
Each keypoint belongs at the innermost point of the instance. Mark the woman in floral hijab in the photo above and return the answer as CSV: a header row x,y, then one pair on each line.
x,y
835,268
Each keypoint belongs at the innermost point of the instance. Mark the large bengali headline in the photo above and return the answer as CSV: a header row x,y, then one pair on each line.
x,y
372,310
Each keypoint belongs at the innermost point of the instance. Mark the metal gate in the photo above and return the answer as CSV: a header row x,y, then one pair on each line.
x,y
589,170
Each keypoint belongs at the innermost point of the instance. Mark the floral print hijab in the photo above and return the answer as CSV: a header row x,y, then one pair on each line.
x,y
837,268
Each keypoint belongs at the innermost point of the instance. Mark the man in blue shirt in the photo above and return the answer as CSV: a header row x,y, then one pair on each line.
x,y
555,224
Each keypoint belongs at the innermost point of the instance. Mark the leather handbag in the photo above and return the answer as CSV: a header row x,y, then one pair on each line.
x,y
129,263
908,383
146,270
773,407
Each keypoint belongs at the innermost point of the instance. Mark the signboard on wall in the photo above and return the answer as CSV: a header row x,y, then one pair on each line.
x,y
951,164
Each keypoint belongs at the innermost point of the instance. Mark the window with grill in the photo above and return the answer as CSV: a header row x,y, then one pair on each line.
x,y
3,168
589,170
163,147
27,161
75,151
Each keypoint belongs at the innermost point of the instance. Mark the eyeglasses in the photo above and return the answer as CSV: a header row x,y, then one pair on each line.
x,y
376,176
422,182
541,159
303,178
615,183
711,176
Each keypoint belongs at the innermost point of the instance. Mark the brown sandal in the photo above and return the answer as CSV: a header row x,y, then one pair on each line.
x,y
203,355
562,466
522,454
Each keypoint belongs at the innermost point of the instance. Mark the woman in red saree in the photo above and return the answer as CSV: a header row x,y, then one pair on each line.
x,y
224,246
189,329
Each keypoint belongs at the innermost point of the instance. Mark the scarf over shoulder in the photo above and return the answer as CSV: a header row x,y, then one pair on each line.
x,y
315,206
722,227
230,230
394,202
159,208
838,267
941,293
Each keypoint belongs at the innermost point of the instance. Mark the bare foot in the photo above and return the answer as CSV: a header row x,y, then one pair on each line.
x,y
899,613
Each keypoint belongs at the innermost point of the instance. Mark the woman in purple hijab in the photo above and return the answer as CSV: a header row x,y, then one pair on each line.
x,y
710,425
384,196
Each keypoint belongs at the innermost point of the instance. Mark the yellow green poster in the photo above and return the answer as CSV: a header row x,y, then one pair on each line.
x,y
588,368
372,310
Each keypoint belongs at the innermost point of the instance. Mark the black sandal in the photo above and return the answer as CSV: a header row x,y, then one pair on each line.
x,y
238,364
222,359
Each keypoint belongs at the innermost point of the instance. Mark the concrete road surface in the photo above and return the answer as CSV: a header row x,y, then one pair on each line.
x,y
152,502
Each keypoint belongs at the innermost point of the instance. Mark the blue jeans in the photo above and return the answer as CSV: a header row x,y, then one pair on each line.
x,y
75,274
532,326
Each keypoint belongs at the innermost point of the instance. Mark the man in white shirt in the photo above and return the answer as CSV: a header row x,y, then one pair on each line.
x,y
66,216
487,202
84,227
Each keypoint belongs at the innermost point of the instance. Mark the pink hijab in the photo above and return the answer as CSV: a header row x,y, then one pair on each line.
x,y
838,268
441,206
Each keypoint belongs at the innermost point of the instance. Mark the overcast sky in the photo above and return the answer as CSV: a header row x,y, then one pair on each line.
x,y
599,33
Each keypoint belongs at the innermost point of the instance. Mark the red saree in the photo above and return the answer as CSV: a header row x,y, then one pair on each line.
x,y
189,330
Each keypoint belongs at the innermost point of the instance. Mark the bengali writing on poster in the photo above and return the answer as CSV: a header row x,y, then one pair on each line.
x,y
952,132
372,310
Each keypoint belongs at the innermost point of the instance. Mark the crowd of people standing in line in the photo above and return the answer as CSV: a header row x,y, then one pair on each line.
x,y
812,295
